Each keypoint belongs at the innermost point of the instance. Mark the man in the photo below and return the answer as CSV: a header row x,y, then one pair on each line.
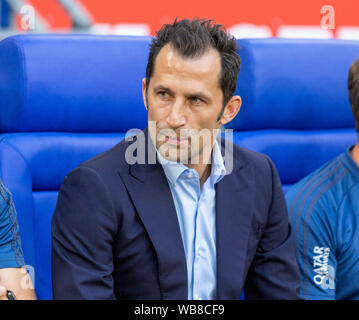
x,y
13,277
186,225
324,211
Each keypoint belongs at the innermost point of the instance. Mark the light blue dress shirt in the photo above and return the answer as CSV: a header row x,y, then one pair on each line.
x,y
196,212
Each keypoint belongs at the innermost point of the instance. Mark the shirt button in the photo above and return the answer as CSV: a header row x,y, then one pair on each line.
x,y
189,175
200,252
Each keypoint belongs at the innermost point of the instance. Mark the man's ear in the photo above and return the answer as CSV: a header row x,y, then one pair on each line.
x,y
144,95
231,109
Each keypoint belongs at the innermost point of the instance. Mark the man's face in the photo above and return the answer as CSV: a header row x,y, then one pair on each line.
x,y
184,99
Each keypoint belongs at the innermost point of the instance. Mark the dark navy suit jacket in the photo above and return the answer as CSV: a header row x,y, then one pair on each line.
x,y
115,232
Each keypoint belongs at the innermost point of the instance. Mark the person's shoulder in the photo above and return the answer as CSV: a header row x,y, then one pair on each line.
x,y
243,156
6,206
111,158
103,165
325,187
251,156
5,197
328,174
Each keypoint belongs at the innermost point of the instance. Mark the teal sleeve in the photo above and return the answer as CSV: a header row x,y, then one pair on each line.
x,y
314,241
11,255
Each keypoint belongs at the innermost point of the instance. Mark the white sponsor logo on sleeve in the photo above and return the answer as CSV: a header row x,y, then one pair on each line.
x,y
323,273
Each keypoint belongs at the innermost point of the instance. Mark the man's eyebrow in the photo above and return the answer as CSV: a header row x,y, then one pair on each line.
x,y
200,95
162,88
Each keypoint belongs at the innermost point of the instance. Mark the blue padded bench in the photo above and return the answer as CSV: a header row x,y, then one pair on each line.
x,y
63,99
66,98
295,102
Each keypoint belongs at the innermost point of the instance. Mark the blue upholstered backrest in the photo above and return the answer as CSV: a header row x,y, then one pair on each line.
x,y
63,99
295,102
295,84
72,83
66,98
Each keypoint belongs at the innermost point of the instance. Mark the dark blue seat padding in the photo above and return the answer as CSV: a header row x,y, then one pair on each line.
x,y
63,99
297,153
295,84
66,98
33,166
73,83
295,102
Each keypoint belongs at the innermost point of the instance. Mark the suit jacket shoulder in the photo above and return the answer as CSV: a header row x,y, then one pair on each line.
x,y
261,166
109,160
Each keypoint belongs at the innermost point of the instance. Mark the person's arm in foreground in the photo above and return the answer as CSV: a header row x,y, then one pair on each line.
x,y
274,273
314,232
83,230
13,275
16,280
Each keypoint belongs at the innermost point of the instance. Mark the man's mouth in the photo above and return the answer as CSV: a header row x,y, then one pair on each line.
x,y
174,140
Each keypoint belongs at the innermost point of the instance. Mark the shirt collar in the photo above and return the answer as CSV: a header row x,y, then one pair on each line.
x,y
350,163
218,169
174,169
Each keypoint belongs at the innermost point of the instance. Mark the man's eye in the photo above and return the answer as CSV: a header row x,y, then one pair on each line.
x,y
196,100
163,94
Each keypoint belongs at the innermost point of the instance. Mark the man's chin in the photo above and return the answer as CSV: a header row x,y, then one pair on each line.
x,y
175,158
173,153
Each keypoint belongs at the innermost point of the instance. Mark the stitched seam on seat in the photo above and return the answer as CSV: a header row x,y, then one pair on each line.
x,y
23,76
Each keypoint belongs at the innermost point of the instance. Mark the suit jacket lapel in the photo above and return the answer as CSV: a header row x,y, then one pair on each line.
x,y
234,203
151,195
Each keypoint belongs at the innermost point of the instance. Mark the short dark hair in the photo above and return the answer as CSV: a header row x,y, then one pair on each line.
x,y
353,88
191,39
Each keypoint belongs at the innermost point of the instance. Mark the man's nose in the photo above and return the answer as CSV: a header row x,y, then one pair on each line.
x,y
176,117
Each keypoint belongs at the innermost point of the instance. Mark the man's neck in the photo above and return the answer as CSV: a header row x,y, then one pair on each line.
x,y
204,166
203,170
355,153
